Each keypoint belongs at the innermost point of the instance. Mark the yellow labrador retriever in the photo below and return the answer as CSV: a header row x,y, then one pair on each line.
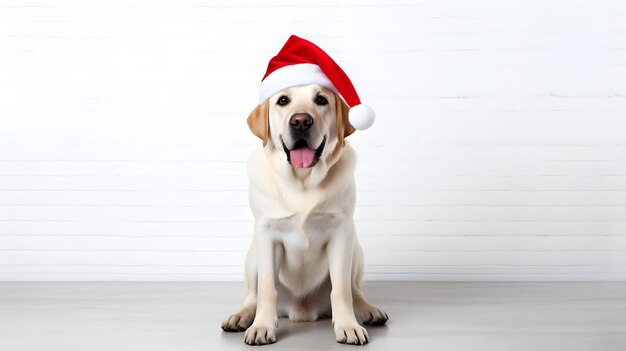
x,y
305,261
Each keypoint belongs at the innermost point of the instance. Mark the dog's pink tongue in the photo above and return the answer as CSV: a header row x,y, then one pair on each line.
x,y
302,157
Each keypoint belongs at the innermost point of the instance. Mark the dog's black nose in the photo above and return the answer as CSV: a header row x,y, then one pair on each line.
x,y
301,121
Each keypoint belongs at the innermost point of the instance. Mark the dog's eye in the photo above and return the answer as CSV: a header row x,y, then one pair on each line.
x,y
320,100
283,100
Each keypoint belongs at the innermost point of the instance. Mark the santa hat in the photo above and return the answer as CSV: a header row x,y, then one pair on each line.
x,y
301,62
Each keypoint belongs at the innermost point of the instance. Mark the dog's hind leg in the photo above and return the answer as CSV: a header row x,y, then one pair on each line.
x,y
241,320
365,313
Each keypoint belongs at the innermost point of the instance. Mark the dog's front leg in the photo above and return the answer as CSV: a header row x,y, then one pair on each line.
x,y
340,251
263,329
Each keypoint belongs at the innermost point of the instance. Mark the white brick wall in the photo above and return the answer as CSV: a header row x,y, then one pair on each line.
x,y
499,152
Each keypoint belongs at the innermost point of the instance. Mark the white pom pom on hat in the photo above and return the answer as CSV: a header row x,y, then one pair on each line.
x,y
361,116
301,62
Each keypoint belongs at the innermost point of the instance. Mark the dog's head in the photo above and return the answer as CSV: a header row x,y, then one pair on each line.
x,y
307,123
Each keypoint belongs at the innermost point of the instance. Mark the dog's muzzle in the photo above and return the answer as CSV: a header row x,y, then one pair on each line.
x,y
301,155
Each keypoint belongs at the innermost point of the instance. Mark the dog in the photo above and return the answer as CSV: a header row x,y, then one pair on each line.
x,y
305,262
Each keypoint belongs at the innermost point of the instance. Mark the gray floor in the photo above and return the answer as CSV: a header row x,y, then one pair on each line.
x,y
424,316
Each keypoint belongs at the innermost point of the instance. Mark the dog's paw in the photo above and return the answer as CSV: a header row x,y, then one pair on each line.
x,y
353,334
371,315
239,321
260,334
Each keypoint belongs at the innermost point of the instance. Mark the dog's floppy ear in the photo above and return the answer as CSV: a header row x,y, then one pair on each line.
x,y
259,121
344,128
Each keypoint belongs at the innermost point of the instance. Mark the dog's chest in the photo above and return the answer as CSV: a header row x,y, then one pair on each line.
x,y
304,238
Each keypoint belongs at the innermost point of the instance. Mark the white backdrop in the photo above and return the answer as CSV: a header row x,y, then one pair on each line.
x,y
499,152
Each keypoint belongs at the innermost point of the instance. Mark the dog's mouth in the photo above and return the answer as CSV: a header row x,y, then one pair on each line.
x,y
301,155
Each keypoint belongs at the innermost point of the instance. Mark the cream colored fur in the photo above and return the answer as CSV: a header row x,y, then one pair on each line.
x,y
305,261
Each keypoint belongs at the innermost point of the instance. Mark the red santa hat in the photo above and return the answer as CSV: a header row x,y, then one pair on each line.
x,y
301,62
